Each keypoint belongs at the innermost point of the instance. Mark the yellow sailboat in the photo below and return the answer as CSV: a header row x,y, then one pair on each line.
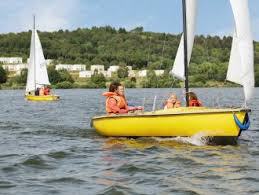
x,y
189,121
42,98
184,121
37,71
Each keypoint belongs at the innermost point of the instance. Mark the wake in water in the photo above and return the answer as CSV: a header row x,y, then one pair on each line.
x,y
148,142
197,139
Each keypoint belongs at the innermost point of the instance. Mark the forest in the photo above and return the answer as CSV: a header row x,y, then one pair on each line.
x,y
137,48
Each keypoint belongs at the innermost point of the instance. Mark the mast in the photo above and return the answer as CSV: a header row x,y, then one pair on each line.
x,y
185,53
34,56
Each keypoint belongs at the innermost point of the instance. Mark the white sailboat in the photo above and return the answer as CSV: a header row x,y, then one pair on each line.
x,y
218,123
37,71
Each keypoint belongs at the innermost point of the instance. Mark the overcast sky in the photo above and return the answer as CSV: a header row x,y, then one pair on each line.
x,y
214,16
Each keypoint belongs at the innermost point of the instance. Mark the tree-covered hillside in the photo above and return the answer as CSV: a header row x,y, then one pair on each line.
x,y
108,46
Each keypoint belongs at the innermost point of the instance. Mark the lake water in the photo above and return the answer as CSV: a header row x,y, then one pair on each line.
x,y
50,148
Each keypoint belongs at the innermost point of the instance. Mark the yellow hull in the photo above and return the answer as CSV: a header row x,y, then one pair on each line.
x,y
42,98
174,122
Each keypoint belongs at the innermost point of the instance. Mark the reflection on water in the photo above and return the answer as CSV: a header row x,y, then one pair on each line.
x,y
148,142
49,148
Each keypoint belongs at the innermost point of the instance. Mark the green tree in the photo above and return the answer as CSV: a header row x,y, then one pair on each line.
x,y
64,85
22,78
54,76
257,79
168,81
65,76
152,80
129,83
98,79
3,75
123,72
122,30
138,29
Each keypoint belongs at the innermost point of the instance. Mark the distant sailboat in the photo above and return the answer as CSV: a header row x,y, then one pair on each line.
x,y
218,123
37,70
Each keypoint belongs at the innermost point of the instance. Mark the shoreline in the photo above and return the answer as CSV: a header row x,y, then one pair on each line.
x,y
214,87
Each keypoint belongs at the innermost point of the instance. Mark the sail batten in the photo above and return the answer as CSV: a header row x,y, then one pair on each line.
x,y
191,15
241,62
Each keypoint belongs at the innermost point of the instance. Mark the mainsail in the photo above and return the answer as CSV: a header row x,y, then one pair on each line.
x,y
37,70
241,62
191,15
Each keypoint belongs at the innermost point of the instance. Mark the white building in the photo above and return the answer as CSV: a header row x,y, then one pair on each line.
x,y
142,73
104,72
71,67
89,73
15,67
99,68
111,70
11,60
159,72
129,68
48,61
85,74
132,73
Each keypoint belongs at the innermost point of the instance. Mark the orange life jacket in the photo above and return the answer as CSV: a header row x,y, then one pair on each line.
x,y
169,104
46,91
120,100
195,103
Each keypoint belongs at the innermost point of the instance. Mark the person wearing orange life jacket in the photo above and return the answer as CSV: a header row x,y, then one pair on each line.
x,y
46,90
172,102
116,102
41,91
193,100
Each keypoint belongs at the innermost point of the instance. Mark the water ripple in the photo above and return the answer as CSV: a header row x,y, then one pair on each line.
x,y
38,162
70,180
6,184
49,148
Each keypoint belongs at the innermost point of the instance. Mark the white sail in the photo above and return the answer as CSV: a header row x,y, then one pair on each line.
x,y
31,82
241,62
191,15
37,71
41,66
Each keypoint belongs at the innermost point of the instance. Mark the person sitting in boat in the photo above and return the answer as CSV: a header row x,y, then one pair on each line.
x,y
46,90
37,91
116,102
41,92
193,100
172,102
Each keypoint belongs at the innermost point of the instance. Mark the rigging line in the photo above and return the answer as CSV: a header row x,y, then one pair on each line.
x,y
34,52
162,55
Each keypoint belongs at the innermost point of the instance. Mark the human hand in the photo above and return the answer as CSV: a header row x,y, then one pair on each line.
x,y
140,108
